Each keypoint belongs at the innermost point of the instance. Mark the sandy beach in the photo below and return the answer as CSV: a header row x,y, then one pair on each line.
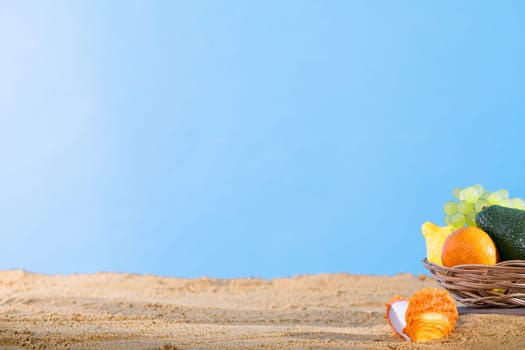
x,y
129,311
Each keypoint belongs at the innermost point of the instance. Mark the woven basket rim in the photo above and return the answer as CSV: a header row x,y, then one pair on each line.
x,y
501,285
504,263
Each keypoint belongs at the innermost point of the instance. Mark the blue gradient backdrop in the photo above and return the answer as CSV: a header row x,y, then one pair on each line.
x,y
250,138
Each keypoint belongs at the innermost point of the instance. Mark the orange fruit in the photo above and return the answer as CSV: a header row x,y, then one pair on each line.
x,y
469,245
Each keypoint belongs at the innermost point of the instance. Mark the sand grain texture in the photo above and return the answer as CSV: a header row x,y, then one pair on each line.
x,y
128,311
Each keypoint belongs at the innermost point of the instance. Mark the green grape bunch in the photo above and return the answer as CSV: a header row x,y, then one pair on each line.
x,y
471,200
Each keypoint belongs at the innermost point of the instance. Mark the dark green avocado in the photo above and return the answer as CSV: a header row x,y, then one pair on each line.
x,y
506,227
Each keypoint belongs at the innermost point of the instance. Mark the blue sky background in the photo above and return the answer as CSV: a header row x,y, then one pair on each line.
x,y
250,138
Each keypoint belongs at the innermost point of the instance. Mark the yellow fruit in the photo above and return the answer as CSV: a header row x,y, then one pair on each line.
x,y
469,245
435,237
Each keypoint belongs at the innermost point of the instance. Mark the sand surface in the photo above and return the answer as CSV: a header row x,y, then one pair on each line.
x,y
128,311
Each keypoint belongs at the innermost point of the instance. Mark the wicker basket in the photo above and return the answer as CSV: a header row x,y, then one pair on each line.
x,y
499,286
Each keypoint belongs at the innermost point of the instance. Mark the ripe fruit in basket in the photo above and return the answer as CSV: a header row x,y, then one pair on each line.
x,y
435,237
469,245
469,201
506,226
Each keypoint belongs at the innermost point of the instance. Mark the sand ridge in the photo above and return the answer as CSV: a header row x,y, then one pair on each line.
x,y
130,311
